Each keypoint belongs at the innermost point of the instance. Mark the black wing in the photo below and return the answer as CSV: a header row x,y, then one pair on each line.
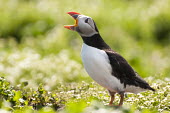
x,y
124,72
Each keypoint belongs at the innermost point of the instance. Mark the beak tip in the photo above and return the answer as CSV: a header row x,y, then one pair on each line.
x,y
70,27
73,13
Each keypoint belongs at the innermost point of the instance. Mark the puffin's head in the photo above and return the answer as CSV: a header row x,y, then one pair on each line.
x,y
84,25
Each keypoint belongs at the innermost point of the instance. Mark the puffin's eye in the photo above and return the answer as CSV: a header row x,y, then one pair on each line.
x,y
86,21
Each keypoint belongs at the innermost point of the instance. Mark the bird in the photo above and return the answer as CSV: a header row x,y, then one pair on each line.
x,y
104,65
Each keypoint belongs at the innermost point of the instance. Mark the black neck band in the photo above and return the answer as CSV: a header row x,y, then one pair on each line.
x,y
95,41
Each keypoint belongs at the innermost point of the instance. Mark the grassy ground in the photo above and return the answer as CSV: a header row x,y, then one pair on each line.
x,y
40,62
82,97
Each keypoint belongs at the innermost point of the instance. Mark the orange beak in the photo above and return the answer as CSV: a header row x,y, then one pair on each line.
x,y
74,15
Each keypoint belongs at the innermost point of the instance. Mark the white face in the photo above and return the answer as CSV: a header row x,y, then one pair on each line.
x,y
85,26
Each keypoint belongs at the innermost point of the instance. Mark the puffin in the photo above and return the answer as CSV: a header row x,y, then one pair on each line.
x,y
104,65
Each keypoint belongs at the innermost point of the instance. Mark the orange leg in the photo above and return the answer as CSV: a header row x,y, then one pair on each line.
x,y
113,96
121,99
112,99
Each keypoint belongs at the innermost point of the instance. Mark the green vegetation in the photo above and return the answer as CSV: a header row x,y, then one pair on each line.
x,y
77,96
40,65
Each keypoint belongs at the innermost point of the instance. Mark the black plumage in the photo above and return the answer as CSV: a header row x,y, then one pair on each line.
x,y
120,67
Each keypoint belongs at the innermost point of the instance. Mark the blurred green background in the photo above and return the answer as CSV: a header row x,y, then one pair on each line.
x,y
35,47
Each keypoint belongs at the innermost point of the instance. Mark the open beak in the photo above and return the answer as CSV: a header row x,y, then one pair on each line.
x,y
74,15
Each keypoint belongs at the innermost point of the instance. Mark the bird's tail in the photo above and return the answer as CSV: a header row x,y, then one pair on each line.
x,y
151,88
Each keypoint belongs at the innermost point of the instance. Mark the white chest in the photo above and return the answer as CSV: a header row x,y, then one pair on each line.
x,y
97,65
